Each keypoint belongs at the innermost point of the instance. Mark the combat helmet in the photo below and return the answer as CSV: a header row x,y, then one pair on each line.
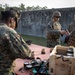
x,y
56,14
11,13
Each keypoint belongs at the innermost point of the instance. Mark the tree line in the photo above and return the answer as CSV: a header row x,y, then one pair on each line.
x,y
22,7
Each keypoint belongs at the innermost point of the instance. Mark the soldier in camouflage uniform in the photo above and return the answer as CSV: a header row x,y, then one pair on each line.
x,y
71,41
12,46
72,25
71,29
54,30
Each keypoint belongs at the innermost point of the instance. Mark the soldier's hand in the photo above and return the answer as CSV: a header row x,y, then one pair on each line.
x,y
67,32
63,32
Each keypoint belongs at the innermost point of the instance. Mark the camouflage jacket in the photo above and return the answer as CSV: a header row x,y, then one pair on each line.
x,y
12,46
53,31
71,41
71,26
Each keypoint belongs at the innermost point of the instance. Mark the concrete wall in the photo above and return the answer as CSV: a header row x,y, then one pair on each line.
x,y
34,22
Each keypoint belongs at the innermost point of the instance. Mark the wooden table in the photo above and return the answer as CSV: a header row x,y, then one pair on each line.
x,y
37,51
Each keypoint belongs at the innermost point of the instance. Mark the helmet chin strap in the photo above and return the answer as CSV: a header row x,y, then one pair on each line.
x,y
16,23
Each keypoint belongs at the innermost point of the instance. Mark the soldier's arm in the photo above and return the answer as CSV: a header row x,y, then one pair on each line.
x,y
71,41
17,47
69,28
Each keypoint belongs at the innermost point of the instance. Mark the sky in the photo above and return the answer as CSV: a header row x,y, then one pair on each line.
x,y
48,3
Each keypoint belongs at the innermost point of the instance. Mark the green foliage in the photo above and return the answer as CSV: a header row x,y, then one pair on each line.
x,y
6,6
1,9
22,7
35,40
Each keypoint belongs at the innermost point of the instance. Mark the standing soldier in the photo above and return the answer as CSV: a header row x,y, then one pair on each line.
x,y
71,40
54,30
72,25
71,29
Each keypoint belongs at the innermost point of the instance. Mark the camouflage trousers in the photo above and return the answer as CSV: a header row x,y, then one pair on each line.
x,y
11,70
52,43
9,73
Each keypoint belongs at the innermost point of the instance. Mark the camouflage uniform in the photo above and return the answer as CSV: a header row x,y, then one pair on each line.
x,y
71,41
71,26
53,34
12,46
53,31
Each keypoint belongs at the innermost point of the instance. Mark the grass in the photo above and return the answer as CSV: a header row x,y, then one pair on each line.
x,y
35,40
